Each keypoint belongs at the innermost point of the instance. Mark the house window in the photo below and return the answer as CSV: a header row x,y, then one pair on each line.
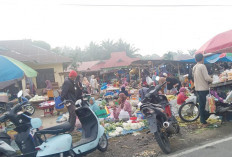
x,y
43,75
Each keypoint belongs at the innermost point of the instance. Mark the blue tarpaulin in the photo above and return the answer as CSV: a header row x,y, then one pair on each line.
x,y
212,59
219,58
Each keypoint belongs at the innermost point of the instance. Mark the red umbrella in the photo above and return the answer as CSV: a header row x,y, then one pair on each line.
x,y
219,44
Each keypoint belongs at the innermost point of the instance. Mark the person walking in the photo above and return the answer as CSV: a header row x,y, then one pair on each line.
x,y
68,88
201,82
94,85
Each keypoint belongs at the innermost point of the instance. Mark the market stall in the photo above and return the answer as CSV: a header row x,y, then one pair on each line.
x,y
42,103
221,92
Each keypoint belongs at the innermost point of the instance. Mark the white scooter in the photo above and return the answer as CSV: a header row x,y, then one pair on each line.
x,y
93,136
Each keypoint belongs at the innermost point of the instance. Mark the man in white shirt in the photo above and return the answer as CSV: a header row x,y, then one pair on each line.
x,y
201,82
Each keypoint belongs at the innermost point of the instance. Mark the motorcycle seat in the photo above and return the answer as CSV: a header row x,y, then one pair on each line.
x,y
56,129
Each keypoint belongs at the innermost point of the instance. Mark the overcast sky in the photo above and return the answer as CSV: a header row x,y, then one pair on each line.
x,y
153,26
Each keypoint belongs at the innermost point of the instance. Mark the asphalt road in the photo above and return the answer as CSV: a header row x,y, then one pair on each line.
x,y
218,148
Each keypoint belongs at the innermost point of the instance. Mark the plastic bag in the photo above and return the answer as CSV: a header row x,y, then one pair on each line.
x,y
149,80
123,115
229,98
210,104
215,79
174,91
191,98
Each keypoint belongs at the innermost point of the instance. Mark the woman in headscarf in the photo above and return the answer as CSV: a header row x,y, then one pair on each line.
x,y
49,90
123,104
48,85
85,83
182,96
93,105
94,85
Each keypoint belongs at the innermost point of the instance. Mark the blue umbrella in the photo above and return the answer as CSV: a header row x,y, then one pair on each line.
x,y
224,57
193,61
12,71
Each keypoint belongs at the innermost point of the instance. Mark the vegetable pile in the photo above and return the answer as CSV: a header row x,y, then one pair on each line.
x,y
117,129
37,98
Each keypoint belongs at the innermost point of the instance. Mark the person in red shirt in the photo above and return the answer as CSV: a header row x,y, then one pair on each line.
x,y
182,96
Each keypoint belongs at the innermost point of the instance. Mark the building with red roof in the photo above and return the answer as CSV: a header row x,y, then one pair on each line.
x,y
117,60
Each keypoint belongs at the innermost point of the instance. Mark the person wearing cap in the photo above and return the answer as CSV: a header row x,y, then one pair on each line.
x,y
68,88
201,82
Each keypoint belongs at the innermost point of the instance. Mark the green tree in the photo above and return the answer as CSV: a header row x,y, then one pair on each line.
x,y
108,46
169,55
93,52
153,56
128,48
96,51
179,52
192,52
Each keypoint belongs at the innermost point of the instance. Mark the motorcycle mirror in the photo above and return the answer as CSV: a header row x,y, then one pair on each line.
x,y
20,93
36,123
157,78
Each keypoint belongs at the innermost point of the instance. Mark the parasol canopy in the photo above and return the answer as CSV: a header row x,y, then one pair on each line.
x,y
12,71
224,57
221,43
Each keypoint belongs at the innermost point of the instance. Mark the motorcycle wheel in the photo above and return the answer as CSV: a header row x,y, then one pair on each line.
x,y
189,112
30,109
162,139
176,125
103,143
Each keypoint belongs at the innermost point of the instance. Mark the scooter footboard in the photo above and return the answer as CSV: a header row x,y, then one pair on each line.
x,y
86,145
55,145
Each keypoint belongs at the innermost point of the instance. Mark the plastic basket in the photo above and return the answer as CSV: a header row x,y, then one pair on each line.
x,y
101,113
57,102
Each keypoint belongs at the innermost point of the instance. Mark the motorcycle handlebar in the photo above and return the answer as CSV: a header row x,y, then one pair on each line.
x,y
65,102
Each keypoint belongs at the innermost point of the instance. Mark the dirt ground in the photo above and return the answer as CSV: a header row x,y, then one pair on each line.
x,y
144,145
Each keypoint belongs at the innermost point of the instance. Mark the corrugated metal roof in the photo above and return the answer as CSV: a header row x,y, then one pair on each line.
x,y
25,51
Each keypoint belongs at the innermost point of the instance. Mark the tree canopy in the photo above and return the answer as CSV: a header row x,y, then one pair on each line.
x,y
102,51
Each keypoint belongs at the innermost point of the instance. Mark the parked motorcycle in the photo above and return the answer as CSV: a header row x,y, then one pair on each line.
x,y
161,122
27,106
24,139
93,136
189,111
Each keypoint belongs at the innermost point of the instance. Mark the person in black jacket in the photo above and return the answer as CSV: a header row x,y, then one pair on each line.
x,y
68,88
79,88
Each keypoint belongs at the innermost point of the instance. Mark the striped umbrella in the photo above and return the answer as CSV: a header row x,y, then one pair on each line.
x,y
12,71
